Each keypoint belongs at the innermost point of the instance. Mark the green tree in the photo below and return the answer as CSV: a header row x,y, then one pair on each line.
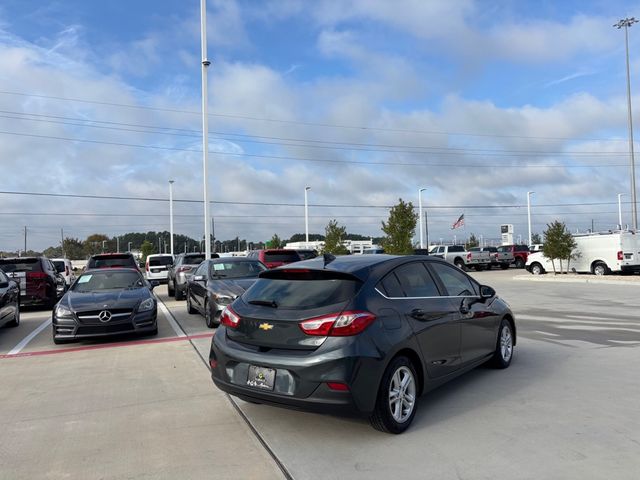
x,y
93,244
73,248
275,242
399,229
558,244
472,242
334,234
535,238
147,248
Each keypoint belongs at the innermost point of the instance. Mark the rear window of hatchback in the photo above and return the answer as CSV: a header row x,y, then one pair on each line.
x,y
20,265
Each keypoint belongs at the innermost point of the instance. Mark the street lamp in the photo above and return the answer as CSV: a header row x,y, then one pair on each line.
x,y
103,242
626,23
620,209
205,126
529,213
171,213
129,246
420,215
306,217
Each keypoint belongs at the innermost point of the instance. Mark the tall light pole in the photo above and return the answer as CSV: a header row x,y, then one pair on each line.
x,y
103,242
420,215
626,23
129,246
171,213
306,217
529,213
620,209
205,126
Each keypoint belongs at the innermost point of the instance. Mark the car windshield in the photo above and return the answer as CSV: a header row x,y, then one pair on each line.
x,y
94,281
281,256
59,264
160,261
20,265
236,269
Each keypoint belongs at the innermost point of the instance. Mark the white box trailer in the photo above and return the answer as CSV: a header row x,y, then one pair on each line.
x,y
598,253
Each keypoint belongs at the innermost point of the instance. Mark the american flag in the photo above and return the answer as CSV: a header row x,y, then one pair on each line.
x,y
459,223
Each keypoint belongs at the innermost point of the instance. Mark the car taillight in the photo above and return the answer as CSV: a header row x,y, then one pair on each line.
x,y
146,266
337,325
66,270
620,255
183,269
468,256
229,318
36,275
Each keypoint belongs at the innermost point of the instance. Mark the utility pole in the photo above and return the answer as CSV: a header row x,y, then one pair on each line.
x,y
426,226
205,125
529,213
117,244
213,234
306,217
62,242
626,23
420,215
171,213
25,240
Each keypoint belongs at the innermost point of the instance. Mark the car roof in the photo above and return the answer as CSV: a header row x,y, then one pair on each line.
x,y
159,255
233,260
121,254
111,270
19,258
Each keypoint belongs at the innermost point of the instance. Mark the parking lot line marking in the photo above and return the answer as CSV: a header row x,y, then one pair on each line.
x,y
170,319
25,341
106,345
611,321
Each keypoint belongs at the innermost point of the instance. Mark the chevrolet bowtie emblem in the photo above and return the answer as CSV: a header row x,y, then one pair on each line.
x,y
265,326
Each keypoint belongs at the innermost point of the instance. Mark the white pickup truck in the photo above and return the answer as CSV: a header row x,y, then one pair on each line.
x,y
457,255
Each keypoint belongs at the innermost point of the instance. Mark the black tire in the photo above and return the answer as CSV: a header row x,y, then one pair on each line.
x,y
536,268
170,290
519,262
382,417
16,320
600,268
504,266
458,262
504,346
179,295
208,316
480,268
190,308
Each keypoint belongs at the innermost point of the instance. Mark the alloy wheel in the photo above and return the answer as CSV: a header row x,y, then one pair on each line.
x,y
402,394
506,344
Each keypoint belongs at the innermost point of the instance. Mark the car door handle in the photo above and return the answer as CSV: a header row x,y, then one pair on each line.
x,y
418,314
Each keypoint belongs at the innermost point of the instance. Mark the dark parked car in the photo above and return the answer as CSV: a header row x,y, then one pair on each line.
x,y
9,301
182,268
365,333
105,302
275,257
39,281
112,260
217,283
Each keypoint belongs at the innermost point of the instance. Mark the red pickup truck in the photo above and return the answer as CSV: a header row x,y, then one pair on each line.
x,y
520,253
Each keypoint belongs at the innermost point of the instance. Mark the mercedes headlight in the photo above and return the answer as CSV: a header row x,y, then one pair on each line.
x,y
223,299
63,312
146,305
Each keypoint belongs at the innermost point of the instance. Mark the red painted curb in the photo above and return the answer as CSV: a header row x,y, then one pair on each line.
x,y
106,345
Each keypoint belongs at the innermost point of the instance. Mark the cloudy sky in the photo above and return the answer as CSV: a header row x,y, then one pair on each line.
x,y
365,101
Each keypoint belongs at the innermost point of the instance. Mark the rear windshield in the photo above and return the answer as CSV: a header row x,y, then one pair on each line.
x,y
160,261
302,294
236,269
193,259
111,261
90,282
504,249
307,254
59,264
281,257
456,248
9,265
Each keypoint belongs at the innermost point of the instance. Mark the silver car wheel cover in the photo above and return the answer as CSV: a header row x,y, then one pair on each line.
x,y
402,394
506,344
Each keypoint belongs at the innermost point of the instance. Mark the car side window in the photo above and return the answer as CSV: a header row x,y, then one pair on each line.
x,y
202,269
456,282
416,281
3,277
390,286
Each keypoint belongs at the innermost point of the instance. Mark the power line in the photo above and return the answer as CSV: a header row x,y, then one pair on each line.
x,y
295,122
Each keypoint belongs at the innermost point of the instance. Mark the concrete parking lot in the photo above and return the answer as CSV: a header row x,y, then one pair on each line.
x,y
146,408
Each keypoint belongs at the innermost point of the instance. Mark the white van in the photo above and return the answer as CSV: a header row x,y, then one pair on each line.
x,y
65,269
597,253
157,267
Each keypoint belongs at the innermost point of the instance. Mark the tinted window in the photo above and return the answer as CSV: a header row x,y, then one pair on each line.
x,y
20,265
160,261
390,286
111,261
416,281
456,248
302,294
490,249
475,249
3,277
456,282
522,248
504,249
235,269
281,257
307,254
108,280
193,259
59,264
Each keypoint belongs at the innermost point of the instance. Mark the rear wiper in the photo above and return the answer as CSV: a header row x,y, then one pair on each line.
x,y
266,303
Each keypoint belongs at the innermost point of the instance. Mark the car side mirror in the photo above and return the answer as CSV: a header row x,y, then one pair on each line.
x,y
487,292
199,278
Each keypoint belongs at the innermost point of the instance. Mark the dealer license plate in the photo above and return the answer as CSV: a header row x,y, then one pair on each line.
x,y
261,377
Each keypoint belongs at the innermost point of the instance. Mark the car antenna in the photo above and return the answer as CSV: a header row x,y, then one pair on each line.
x,y
328,258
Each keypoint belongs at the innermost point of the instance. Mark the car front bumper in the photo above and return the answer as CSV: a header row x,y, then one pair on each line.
x,y
301,376
72,329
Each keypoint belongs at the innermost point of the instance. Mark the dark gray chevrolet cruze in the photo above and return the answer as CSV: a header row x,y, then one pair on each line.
x,y
368,333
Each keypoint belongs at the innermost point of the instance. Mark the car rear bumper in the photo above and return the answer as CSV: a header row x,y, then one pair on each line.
x,y
301,376
630,268
161,277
